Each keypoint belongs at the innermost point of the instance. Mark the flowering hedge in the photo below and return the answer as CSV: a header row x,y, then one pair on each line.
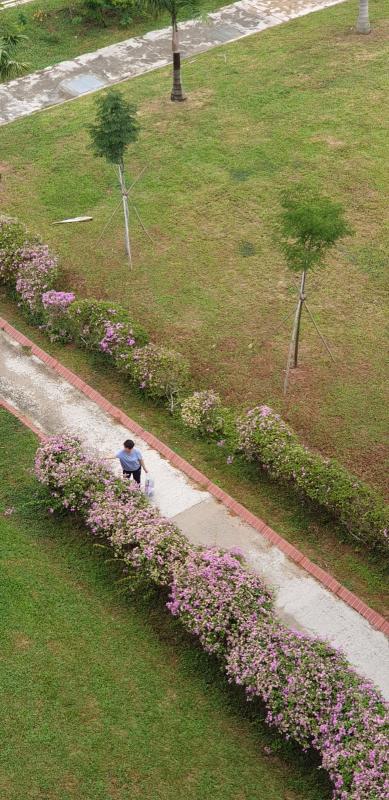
x,y
310,692
162,374
202,413
315,698
264,437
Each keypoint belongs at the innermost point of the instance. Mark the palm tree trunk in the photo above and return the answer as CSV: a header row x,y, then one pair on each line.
x,y
177,94
363,22
123,187
294,342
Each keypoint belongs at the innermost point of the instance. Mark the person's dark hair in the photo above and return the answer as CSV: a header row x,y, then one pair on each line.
x,y
129,444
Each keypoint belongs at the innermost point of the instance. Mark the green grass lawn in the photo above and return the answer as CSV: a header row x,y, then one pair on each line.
x,y
104,698
303,101
57,30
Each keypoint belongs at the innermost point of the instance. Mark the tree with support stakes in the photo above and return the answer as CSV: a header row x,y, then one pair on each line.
x,y
310,226
363,22
174,8
114,129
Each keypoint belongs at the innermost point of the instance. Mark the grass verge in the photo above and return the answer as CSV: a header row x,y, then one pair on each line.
x,y
104,697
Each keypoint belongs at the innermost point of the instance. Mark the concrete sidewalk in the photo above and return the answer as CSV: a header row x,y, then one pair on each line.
x,y
54,405
109,65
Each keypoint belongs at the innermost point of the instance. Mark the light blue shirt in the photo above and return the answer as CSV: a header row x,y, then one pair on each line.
x,y
130,459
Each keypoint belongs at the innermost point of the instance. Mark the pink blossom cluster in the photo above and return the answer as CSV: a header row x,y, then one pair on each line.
x,y
310,692
201,412
115,335
37,270
57,302
213,594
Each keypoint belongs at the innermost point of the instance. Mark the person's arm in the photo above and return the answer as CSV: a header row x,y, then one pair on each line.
x,y
142,463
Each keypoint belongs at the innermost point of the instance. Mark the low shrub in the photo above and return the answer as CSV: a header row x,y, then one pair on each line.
x,y
310,692
56,308
36,273
264,437
104,327
13,236
202,413
71,476
160,372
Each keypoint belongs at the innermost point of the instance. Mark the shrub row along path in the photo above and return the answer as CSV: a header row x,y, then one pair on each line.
x,y
110,65
54,403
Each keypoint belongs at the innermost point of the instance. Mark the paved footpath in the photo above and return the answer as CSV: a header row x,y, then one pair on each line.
x,y
109,65
54,400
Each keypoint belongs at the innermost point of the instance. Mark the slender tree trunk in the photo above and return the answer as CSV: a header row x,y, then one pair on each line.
x,y
126,212
294,342
363,22
177,94
298,320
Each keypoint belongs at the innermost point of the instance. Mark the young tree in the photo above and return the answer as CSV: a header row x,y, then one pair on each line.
x,y
115,128
174,8
363,22
310,225
9,67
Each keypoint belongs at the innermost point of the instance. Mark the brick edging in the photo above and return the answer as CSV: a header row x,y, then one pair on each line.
x,y
376,620
18,414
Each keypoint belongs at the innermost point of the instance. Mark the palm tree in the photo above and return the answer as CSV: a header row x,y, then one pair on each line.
x,y
174,8
363,22
9,67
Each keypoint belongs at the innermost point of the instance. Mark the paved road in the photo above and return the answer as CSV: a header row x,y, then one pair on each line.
x,y
116,63
54,405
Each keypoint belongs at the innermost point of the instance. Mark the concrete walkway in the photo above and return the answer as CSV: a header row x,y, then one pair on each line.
x,y
109,65
54,405
5,4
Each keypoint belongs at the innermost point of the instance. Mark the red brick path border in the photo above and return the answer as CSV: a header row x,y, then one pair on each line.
x,y
27,422
376,620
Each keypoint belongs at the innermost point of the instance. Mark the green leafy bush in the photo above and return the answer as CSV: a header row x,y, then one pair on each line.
x,y
202,412
160,372
264,437
13,236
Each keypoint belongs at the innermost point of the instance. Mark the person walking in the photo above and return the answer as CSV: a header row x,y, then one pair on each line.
x,y
131,460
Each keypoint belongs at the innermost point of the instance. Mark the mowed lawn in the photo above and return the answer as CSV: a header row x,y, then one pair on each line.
x,y
104,698
304,101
